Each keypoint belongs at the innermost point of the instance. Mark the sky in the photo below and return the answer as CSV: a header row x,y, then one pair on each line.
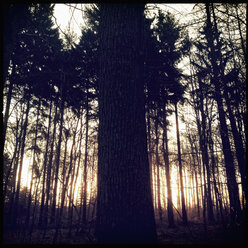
x,y
72,13
66,13
72,16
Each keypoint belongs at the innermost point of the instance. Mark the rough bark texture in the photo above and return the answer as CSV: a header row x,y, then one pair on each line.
x,y
124,205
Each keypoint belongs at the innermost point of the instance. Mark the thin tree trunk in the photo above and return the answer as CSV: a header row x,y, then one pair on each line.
x,y
57,162
200,173
71,195
167,172
194,175
85,160
158,170
6,115
235,208
184,213
240,31
16,202
45,167
77,173
197,194
150,152
60,211
204,203
33,166
49,169
79,159
240,153
205,157
34,209
14,158
220,194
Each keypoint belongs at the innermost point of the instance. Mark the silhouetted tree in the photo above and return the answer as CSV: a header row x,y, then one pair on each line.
x,y
124,206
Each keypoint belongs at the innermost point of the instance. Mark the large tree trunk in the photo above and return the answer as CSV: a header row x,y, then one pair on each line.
x,y
124,202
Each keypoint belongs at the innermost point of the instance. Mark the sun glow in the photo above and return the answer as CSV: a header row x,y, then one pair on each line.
x,y
26,173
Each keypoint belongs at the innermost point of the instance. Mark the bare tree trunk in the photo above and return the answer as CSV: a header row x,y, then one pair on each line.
x,y
64,190
45,167
158,170
49,169
14,157
240,32
235,207
71,195
33,166
184,213
34,209
85,160
240,152
167,172
6,115
53,211
150,152
205,157
15,161
194,173
205,197
124,202
16,202
77,171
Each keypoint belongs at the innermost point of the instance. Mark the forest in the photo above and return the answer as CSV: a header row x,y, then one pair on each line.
x,y
133,134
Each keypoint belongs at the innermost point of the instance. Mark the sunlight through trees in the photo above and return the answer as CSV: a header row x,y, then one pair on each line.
x,y
131,129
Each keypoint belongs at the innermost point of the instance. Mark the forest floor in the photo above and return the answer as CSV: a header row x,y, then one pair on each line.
x,y
194,233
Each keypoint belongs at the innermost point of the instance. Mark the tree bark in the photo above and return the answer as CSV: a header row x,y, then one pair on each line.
x,y
124,202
